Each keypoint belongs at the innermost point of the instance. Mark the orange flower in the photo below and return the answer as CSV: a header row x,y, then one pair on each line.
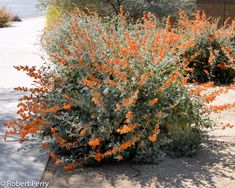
x,y
22,135
121,76
152,138
97,98
45,145
211,58
69,167
169,81
53,129
128,102
186,46
58,162
129,115
89,83
144,77
222,66
66,97
157,128
152,102
10,123
212,38
124,52
201,88
119,157
159,114
125,145
11,132
129,143
228,125
111,152
127,128
134,47
51,109
94,143
211,96
136,94
110,82
83,131
99,156
168,23
122,15
222,107
59,139
67,106
53,156
131,101
94,79
103,68
118,107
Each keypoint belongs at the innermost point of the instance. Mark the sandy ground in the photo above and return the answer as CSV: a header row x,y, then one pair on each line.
x,y
213,166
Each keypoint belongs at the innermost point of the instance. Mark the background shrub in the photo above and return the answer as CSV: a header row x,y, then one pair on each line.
x,y
211,57
53,15
5,17
185,142
135,8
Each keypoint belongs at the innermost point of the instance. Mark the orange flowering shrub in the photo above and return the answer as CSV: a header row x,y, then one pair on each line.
x,y
110,91
209,52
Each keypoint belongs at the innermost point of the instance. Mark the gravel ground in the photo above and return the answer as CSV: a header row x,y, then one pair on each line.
x,y
213,166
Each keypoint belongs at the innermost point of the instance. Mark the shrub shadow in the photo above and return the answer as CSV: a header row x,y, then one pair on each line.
x,y
214,161
18,161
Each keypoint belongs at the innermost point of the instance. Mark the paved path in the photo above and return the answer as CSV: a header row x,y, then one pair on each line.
x,y
18,47
18,162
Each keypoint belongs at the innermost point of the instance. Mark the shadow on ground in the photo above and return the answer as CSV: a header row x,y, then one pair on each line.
x,y
18,161
213,166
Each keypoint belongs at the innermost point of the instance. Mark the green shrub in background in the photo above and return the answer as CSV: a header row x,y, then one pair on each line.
x,y
135,8
61,8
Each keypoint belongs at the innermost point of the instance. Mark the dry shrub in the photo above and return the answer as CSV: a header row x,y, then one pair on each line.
x,y
5,17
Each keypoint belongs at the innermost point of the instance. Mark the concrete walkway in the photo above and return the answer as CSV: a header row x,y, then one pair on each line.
x,y
18,47
19,163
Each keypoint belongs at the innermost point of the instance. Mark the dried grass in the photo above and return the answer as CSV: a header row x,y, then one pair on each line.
x,y
5,17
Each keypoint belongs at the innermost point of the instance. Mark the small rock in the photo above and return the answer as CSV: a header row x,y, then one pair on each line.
x,y
16,19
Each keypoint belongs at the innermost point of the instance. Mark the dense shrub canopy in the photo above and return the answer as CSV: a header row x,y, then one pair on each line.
x,y
115,90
